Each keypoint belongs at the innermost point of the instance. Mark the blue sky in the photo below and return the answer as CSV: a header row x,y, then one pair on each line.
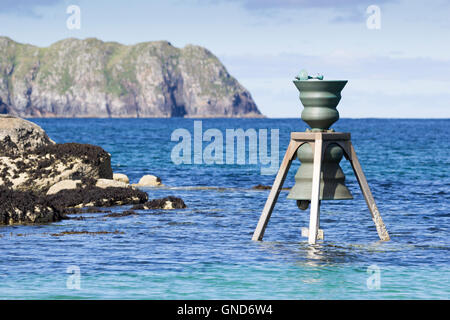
x,y
400,70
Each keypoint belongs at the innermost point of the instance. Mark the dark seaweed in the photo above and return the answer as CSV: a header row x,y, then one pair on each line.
x,y
177,203
14,206
99,197
121,214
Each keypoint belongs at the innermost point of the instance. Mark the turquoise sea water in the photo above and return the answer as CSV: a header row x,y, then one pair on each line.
x,y
205,251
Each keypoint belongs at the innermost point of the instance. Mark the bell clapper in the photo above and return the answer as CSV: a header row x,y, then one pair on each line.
x,y
303,204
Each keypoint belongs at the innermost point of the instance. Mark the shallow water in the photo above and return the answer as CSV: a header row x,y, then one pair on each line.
x,y
205,251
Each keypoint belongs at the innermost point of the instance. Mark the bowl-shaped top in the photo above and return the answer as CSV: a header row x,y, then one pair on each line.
x,y
320,99
334,86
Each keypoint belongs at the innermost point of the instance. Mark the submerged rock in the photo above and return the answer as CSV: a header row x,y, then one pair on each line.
x,y
95,210
71,211
164,203
263,187
121,214
83,232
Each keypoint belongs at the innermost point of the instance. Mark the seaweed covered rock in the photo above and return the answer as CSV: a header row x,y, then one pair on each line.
x,y
40,180
89,195
22,207
164,203
38,163
74,184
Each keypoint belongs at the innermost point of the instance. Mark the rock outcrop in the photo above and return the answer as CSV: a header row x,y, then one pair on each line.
x,y
21,135
89,195
28,207
72,174
20,207
264,187
39,169
41,181
92,78
29,160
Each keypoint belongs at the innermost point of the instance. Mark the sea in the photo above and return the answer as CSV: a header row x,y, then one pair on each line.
x,y
205,251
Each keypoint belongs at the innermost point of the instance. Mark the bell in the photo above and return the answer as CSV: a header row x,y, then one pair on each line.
x,y
332,178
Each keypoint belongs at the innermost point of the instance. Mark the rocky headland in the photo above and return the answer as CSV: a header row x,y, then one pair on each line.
x,y
92,78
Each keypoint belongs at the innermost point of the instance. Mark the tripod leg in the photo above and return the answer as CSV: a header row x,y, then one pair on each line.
x,y
315,192
275,191
376,217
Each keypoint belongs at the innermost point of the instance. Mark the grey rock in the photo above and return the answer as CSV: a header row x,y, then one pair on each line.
x,y
121,177
107,183
19,135
63,185
149,180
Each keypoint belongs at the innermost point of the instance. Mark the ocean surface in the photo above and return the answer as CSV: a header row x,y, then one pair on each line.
x,y
206,252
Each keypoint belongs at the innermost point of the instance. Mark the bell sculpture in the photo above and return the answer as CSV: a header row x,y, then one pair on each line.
x,y
332,178
320,150
320,99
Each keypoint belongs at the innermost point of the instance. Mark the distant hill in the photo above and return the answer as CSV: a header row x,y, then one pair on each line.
x,y
92,78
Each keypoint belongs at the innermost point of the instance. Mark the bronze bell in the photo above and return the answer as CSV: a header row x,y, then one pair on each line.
x,y
320,99
332,178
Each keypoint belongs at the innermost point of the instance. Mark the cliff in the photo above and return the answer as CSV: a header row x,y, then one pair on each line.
x,y
92,78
